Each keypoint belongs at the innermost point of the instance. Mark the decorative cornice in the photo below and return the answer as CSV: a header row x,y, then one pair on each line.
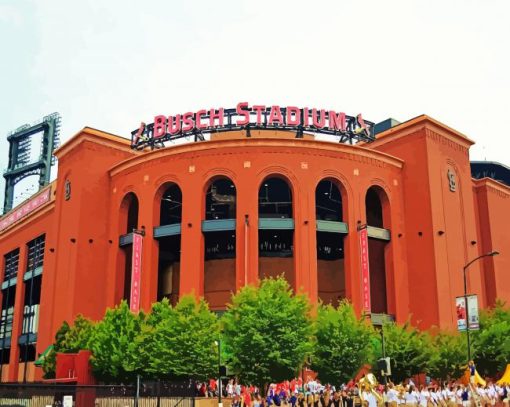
x,y
444,140
240,146
492,186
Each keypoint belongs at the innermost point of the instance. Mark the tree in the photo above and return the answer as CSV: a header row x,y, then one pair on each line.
x,y
268,332
179,342
448,360
409,349
491,344
343,343
78,337
115,354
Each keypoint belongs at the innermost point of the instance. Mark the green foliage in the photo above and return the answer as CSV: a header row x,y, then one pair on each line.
x,y
448,360
50,361
268,331
343,343
491,344
409,349
115,353
179,342
78,337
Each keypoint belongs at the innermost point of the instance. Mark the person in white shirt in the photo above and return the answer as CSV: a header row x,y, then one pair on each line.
x,y
412,396
444,395
424,397
391,396
492,394
503,393
482,395
369,398
452,401
458,396
434,398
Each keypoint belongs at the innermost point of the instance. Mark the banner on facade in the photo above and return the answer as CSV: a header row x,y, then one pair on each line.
x,y
467,311
474,321
365,271
460,307
25,209
136,272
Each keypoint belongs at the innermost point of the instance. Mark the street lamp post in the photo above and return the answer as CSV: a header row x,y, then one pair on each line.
x,y
493,253
218,344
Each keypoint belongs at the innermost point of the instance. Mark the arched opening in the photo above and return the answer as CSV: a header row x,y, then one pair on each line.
x,y
373,206
219,242
330,242
276,229
128,222
375,200
132,213
169,238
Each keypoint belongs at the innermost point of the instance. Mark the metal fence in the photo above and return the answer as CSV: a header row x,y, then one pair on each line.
x,y
148,394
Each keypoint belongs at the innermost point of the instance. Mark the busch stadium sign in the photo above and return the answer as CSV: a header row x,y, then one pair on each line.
x,y
348,129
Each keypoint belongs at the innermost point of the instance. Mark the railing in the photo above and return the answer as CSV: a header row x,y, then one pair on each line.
x,y
150,394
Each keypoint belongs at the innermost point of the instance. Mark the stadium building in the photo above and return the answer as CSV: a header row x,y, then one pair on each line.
x,y
383,215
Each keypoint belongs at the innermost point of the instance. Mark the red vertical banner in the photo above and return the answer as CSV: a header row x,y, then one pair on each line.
x,y
365,270
136,272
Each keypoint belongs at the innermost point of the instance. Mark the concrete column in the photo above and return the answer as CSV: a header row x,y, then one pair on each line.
x,y
192,240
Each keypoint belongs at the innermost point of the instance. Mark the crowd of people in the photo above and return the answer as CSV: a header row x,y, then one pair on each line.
x,y
312,393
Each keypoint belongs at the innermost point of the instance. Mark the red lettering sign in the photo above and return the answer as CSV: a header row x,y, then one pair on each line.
x,y
365,270
217,115
275,115
159,126
136,272
174,124
337,122
212,120
293,116
242,110
319,123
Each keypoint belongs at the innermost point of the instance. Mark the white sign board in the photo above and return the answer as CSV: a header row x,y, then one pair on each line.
x,y
68,401
474,321
464,311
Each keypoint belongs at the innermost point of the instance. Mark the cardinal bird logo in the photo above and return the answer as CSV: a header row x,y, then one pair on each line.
x,y
362,126
140,136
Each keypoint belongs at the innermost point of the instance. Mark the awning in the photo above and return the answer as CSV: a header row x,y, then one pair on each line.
x,y
40,360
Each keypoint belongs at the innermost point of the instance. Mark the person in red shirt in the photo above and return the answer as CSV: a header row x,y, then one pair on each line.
x,y
246,397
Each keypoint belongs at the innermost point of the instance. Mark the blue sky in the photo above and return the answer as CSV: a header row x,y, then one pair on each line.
x,y
111,64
